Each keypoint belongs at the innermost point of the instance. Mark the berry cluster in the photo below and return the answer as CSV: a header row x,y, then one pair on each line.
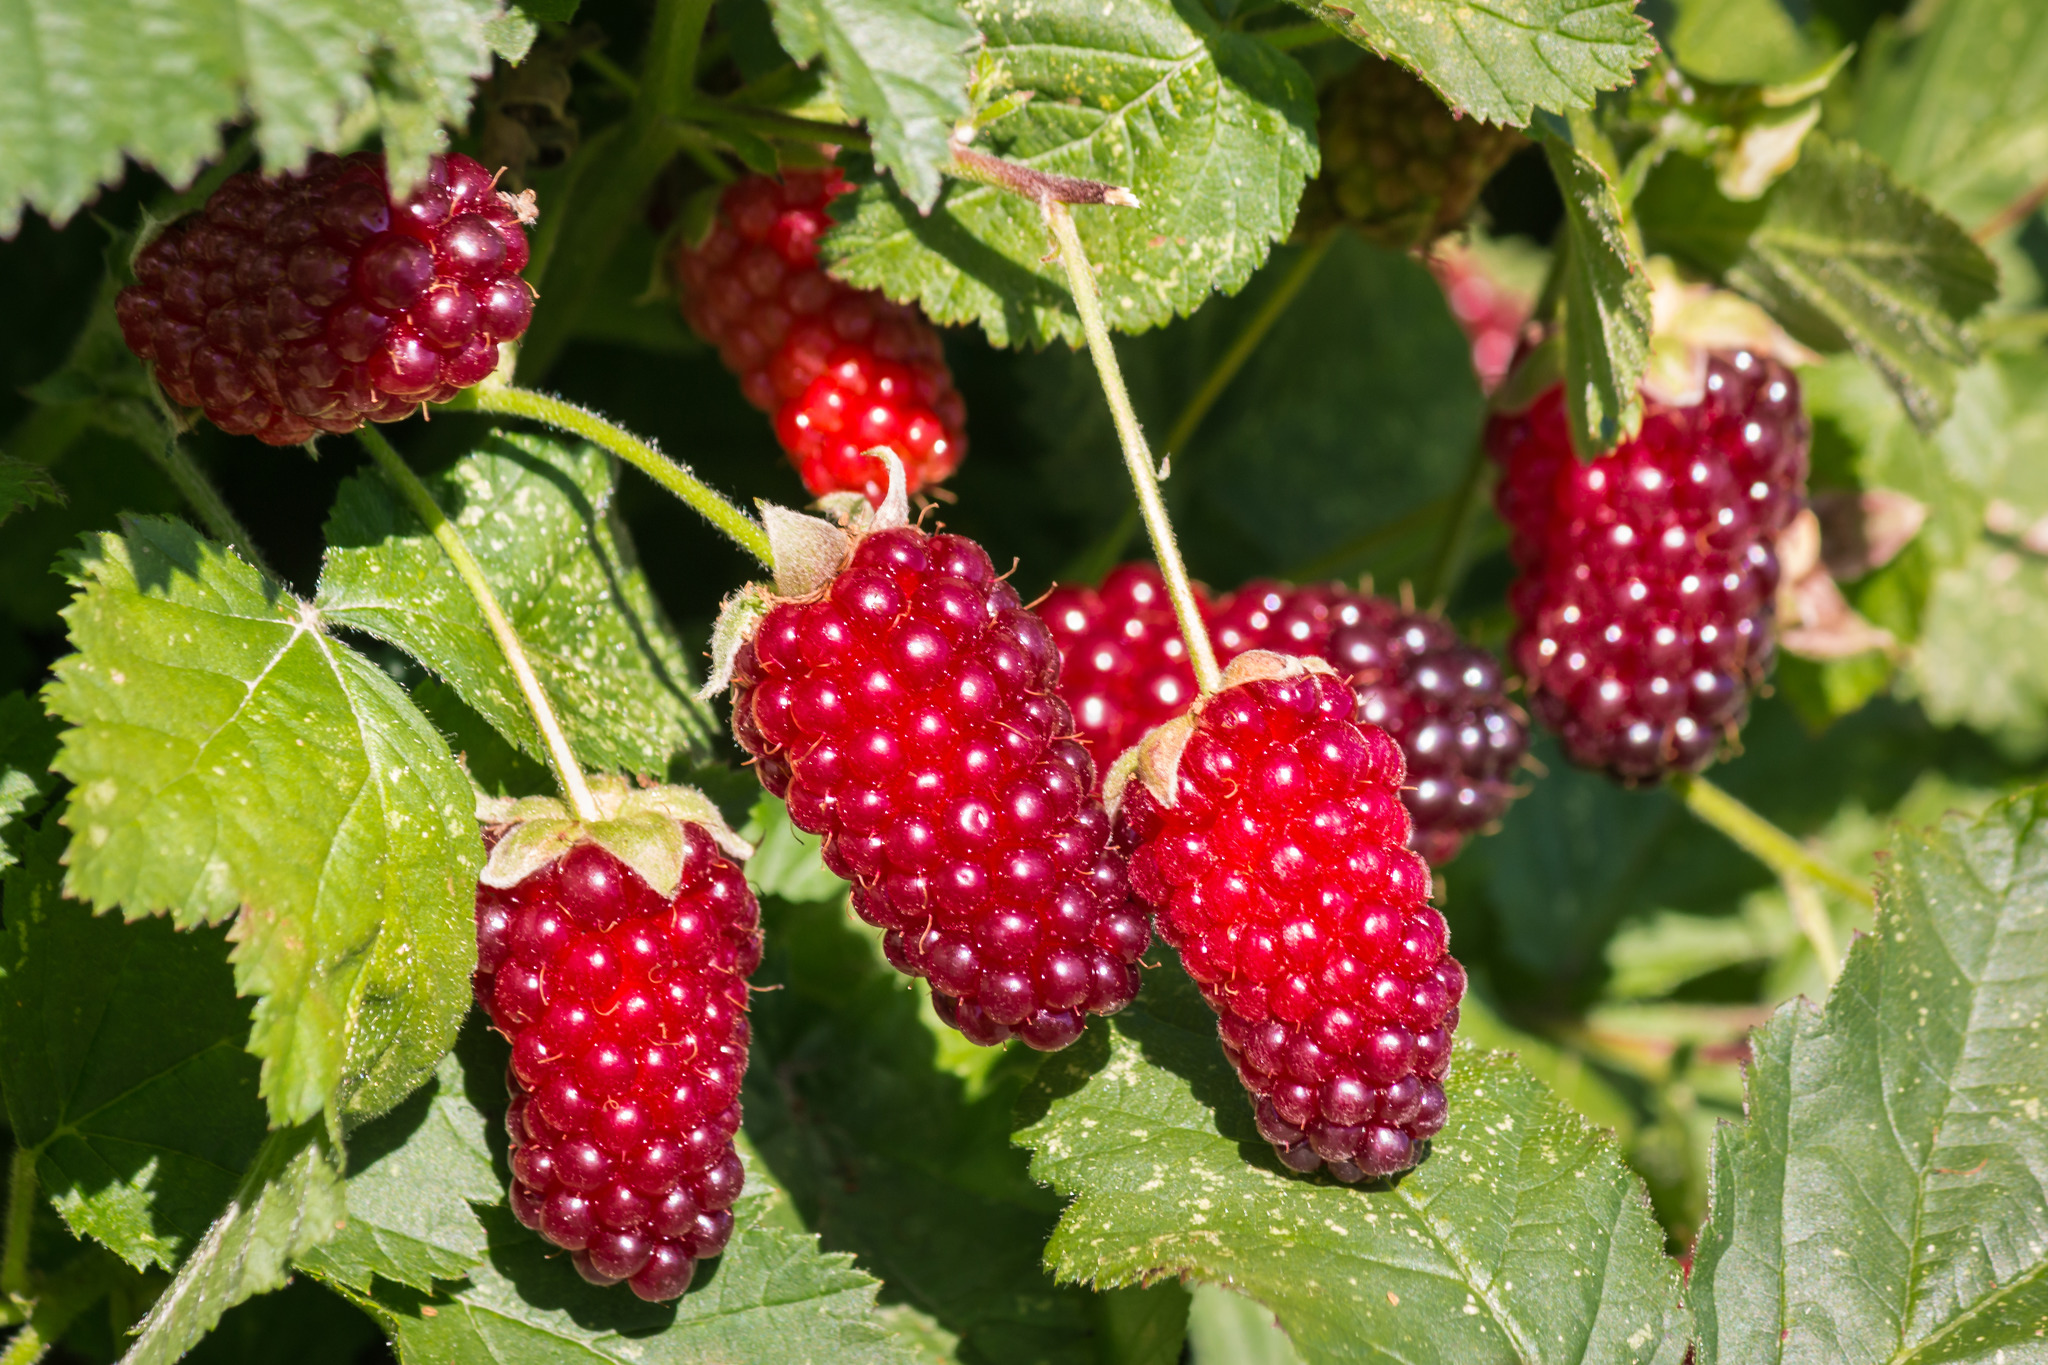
x,y
1124,670
316,302
1644,605
1443,701
1398,165
841,370
908,713
1279,873
627,1016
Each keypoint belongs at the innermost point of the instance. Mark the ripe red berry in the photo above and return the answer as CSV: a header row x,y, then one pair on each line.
x,y
627,1013
907,711
1491,313
841,370
1644,605
1443,701
1123,665
1279,873
316,302
1124,670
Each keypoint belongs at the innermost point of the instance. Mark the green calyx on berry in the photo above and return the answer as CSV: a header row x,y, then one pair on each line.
x,y
640,826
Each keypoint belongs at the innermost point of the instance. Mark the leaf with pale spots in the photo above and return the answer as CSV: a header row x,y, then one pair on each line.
x,y
231,755
1523,1237
1888,1198
536,513
1213,130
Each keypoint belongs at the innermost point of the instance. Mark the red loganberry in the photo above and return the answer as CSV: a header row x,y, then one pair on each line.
x,y
1491,313
1443,701
1644,605
306,303
841,370
1279,873
627,1014
908,713
1124,670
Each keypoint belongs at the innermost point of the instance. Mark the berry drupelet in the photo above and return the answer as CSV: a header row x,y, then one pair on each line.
x,y
626,1010
907,711
1443,701
312,303
841,370
1272,850
1645,601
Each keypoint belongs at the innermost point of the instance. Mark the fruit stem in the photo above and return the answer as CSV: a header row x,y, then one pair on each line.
x,y
21,1213
1040,187
1137,456
1445,564
1811,915
198,490
568,772
1762,840
511,401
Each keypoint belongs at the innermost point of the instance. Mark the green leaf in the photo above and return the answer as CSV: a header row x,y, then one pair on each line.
x,y
121,1059
889,1154
412,1177
1743,42
1884,1202
1213,131
1844,256
89,82
537,515
1498,62
1522,1237
28,741
288,1202
1956,102
1983,646
302,1323
1229,1329
229,754
24,485
896,65
1606,296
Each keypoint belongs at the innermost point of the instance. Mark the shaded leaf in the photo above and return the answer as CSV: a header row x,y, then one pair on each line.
x,y
1522,1237
231,755
1844,256
537,515
1885,1201
896,65
121,1059
1213,131
288,1201
1498,62
24,485
28,741
1606,298
89,82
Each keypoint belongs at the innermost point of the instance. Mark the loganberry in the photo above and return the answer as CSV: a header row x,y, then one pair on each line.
x,y
1272,850
1124,670
1491,313
907,711
1443,701
627,1013
1645,601
841,370
306,303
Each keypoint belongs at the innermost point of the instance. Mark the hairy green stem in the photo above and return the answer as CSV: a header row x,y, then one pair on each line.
x,y
1137,456
1810,913
198,491
1446,563
568,772
21,1214
26,1348
1762,840
512,401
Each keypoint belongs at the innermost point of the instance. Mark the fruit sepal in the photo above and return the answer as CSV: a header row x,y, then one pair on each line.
x,y
807,553
640,826
1690,322
1155,759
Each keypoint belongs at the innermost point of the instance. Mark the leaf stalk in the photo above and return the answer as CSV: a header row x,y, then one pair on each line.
x,y
568,772
1137,455
199,493
512,401
1764,841
21,1213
